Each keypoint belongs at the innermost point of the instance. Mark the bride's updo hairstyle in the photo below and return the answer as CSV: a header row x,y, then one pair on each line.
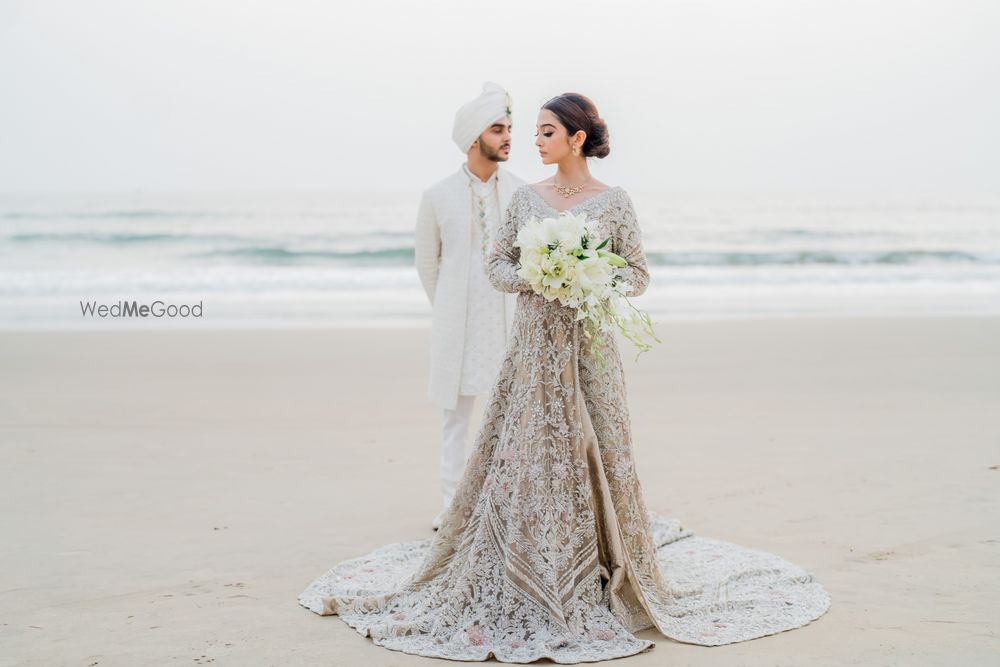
x,y
577,112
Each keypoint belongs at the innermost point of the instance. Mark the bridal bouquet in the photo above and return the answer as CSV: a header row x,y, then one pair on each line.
x,y
563,258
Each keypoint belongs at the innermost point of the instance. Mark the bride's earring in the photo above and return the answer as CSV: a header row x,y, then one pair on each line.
x,y
576,150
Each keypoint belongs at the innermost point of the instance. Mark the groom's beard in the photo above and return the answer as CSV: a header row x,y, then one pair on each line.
x,y
493,154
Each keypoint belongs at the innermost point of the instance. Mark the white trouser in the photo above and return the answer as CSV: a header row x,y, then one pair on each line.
x,y
453,449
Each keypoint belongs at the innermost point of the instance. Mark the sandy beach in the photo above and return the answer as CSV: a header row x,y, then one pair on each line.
x,y
167,495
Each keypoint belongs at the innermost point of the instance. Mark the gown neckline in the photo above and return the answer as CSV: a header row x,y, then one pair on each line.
x,y
577,205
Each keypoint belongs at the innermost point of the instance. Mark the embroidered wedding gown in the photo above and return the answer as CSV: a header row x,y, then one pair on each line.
x,y
547,550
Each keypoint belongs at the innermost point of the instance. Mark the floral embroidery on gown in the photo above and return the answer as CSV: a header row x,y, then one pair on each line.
x,y
547,550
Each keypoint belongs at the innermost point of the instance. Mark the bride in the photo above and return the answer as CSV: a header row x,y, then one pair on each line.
x,y
547,550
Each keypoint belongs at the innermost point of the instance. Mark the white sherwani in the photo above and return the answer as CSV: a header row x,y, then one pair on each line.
x,y
449,259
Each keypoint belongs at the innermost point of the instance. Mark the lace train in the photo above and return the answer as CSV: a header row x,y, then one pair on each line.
x,y
725,593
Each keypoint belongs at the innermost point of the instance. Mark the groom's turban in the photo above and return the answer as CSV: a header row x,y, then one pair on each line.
x,y
478,114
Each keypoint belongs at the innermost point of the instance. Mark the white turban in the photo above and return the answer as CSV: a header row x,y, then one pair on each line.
x,y
478,114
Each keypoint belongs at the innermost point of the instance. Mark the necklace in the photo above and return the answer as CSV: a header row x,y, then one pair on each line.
x,y
479,203
569,190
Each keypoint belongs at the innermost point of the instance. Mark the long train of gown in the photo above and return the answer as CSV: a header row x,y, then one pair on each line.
x,y
547,550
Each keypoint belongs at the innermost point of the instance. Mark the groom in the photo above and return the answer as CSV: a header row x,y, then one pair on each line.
x,y
457,220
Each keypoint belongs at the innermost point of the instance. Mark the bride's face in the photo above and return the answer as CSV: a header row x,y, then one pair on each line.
x,y
551,138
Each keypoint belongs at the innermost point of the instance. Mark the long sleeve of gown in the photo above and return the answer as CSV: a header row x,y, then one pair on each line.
x,y
628,245
504,260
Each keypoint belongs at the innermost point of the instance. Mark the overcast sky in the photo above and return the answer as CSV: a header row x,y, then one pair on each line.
x,y
894,96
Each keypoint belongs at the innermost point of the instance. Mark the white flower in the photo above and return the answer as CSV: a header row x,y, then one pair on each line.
x,y
530,238
569,234
564,259
593,274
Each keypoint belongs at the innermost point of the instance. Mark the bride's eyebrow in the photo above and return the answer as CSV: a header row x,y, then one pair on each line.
x,y
547,125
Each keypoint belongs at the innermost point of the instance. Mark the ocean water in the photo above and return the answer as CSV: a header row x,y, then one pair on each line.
x,y
301,260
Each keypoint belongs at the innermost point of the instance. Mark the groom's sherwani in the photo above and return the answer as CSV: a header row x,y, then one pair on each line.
x,y
448,241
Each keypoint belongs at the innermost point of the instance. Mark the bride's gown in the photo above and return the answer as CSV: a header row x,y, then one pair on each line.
x,y
547,550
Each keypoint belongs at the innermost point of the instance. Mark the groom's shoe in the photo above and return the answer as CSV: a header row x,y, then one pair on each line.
x,y
438,519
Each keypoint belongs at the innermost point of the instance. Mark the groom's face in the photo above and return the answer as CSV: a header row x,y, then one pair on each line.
x,y
494,142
